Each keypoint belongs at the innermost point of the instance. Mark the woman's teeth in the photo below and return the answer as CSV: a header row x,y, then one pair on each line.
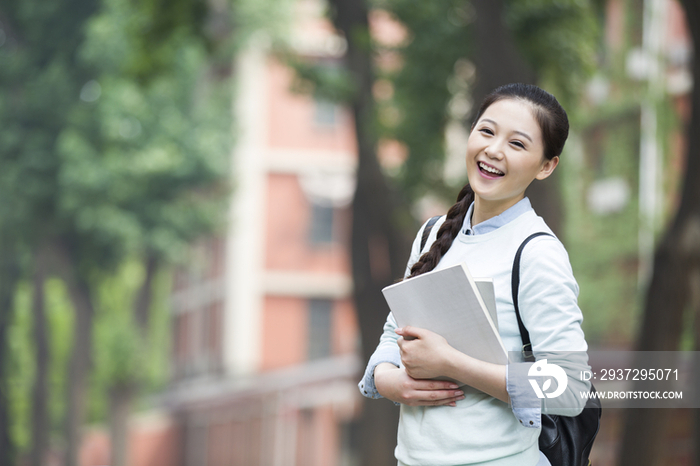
x,y
488,169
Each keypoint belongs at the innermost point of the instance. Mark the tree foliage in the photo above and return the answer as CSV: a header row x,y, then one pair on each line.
x,y
558,38
144,163
434,82
116,131
436,68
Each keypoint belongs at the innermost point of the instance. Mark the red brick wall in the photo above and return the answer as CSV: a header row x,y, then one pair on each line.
x,y
153,441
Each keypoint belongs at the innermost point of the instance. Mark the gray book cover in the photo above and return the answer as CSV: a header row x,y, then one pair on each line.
x,y
448,302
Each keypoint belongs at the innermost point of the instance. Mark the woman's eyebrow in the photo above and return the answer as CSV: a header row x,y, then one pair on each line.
x,y
525,135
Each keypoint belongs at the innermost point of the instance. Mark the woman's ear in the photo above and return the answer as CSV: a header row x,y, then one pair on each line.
x,y
547,168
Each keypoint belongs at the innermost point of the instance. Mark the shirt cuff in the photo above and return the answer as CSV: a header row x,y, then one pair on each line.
x,y
366,385
526,407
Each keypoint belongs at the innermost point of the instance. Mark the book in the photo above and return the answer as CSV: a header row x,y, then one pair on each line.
x,y
448,302
485,287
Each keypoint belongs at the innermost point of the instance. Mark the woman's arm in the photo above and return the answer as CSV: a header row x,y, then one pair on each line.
x,y
548,304
383,377
427,355
393,383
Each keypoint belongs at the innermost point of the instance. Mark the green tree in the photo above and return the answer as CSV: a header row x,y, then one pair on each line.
x,y
144,169
9,275
113,149
41,78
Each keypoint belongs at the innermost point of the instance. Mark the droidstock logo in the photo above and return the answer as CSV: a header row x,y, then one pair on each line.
x,y
541,369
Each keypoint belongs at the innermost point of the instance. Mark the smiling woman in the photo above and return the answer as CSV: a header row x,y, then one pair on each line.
x,y
517,137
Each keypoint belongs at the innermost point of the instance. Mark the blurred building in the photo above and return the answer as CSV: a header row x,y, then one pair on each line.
x,y
265,336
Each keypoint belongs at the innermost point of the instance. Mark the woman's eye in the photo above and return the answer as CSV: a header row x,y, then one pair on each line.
x,y
518,144
486,131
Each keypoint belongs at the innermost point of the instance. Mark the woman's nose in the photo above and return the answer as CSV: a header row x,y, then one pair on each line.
x,y
495,150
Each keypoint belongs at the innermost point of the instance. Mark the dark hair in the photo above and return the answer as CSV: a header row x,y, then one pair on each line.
x,y
554,125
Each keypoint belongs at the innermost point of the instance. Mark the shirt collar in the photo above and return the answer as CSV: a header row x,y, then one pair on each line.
x,y
496,222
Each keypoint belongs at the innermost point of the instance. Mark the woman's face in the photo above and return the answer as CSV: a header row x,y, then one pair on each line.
x,y
505,153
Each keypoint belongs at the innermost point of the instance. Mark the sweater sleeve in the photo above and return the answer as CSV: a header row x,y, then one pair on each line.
x,y
388,349
548,302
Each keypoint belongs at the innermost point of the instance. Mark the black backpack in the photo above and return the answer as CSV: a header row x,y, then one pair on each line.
x,y
564,440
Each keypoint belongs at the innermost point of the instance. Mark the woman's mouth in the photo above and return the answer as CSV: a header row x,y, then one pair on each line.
x,y
489,170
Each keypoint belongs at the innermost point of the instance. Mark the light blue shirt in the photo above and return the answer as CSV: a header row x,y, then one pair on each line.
x,y
496,222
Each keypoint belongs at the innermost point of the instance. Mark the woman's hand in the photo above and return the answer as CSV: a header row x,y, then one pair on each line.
x,y
424,354
427,355
394,384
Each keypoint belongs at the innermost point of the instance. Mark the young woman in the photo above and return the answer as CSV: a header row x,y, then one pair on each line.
x,y
489,419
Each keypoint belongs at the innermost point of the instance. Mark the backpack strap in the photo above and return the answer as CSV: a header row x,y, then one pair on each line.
x,y
515,284
426,231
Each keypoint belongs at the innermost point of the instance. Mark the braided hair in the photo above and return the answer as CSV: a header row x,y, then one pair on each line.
x,y
554,125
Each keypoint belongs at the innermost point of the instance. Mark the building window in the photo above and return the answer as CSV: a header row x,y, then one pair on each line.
x,y
319,328
321,230
325,113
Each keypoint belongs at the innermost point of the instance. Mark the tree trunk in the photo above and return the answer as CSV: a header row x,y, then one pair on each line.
x,y
81,353
676,261
142,305
121,397
9,275
78,369
122,394
40,395
695,366
380,247
498,62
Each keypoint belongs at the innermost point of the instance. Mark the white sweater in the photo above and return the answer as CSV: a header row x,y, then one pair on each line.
x,y
482,430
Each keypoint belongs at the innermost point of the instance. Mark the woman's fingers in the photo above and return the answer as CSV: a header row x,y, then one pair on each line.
x,y
427,393
436,398
433,393
393,383
411,333
426,384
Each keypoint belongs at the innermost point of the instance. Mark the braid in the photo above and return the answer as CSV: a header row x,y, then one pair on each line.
x,y
446,234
